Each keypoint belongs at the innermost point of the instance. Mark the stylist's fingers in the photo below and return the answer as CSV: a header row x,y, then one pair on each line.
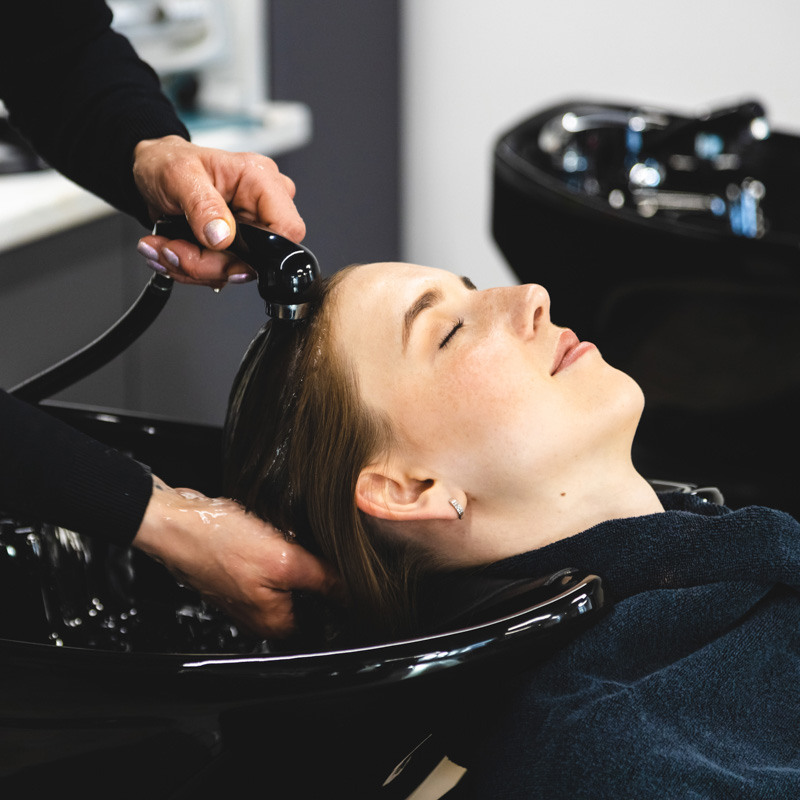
x,y
255,189
265,196
188,263
175,176
300,570
269,609
206,211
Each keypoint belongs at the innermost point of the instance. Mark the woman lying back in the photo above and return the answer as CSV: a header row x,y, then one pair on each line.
x,y
419,424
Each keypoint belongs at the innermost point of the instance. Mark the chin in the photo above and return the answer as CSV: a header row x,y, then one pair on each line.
x,y
635,390
628,402
635,400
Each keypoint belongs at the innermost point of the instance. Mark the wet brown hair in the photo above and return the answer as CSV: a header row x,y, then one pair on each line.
x,y
297,437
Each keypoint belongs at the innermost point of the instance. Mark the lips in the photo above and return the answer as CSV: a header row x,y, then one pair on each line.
x,y
569,349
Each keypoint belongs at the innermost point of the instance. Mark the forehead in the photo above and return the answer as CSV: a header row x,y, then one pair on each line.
x,y
390,277
385,289
370,302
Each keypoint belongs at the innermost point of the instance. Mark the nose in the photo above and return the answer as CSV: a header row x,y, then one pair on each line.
x,y
527,308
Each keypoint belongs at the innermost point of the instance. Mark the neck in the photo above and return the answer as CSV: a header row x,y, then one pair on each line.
x,y
562,510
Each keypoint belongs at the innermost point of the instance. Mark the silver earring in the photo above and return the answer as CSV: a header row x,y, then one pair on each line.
x,y
458,507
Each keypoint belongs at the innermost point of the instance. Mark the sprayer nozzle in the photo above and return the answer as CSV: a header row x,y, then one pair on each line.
x,y
287,272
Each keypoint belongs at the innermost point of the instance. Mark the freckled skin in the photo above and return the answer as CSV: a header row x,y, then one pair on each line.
x,y
484,415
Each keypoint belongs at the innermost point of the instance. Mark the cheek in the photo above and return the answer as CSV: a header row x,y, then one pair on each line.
x,y
478,402
470,379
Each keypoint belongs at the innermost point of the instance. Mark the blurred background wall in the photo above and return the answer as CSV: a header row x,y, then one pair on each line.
x,y
341,60
407,98
472,69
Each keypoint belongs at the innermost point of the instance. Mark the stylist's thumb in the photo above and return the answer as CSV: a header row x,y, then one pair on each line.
x,y
209,216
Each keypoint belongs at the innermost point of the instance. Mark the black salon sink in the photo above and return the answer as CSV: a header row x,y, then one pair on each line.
x,y
670,240
117,680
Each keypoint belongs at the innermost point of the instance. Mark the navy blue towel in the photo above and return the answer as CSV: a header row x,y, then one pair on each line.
x,y
688,688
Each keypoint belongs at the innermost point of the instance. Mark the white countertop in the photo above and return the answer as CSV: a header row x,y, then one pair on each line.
x,y
37,204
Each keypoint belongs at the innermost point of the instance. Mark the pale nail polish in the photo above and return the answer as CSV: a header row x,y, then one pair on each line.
x,y
154,265
241,277
216,231
170,257
145,250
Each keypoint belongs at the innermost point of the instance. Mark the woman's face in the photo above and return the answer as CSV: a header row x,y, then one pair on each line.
x,y
481,388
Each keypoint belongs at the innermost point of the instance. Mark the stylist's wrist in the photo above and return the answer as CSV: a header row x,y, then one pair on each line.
x,y
159,525
180,530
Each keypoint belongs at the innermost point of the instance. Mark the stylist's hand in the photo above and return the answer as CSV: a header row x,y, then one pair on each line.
x,y
239,563
175,176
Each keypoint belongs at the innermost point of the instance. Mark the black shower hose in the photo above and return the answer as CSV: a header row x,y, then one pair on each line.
x,y
136,320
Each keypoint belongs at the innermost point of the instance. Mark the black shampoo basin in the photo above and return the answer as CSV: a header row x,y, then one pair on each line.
x,y
117,680
670,240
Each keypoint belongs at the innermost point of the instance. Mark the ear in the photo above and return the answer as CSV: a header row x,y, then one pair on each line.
x,y
387,493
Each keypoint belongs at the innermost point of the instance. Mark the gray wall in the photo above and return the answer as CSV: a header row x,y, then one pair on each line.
x,y
342,59
471,70
59,294
56,295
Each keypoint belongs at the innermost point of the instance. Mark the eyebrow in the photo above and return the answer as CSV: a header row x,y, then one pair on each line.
x,y
424,301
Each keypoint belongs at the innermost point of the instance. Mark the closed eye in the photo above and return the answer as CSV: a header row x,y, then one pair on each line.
x,y
459,324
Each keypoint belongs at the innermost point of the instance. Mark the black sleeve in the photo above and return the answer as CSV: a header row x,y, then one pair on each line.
x,y
81,96
52,473
79,93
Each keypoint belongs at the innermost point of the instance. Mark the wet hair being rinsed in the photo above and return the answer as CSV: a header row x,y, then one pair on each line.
x,y
297,437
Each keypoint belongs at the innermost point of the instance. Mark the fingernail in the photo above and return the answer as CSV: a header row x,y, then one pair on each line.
x,y
170,257
216,231
241,277
154,265
145,250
